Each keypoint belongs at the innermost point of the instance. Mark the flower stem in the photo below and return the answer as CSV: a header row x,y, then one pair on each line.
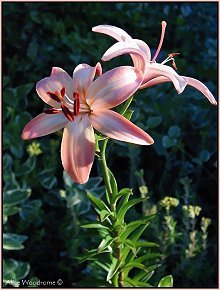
x,y
105,171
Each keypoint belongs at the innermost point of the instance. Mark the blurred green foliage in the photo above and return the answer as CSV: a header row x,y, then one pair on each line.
x,y
43,209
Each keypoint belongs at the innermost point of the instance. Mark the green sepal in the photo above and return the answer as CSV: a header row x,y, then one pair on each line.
x,y
166,281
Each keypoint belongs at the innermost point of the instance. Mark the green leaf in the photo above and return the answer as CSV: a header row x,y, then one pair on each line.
x,y
13,197
89,255
104,214
143,276
125,207
174,132
107,241
47,178
134,265
17,150
168,142
113,182
146,244
130,229
7,162
94,225
27,167
9,97
11,210
14,270
204,156
148,256
122,192
30,210
13,241
113,268
153,122
98,204
166,281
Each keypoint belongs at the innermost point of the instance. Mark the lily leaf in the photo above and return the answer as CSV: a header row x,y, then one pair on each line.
x,y
166,281
113,268
123,209
98,204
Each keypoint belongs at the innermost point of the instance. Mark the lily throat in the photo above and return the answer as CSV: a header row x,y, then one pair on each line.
x,y
69,107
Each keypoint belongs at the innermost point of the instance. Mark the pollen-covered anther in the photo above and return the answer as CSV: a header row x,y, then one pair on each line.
x,y
76,105
51,111
54,96
63,92
173,54
67,113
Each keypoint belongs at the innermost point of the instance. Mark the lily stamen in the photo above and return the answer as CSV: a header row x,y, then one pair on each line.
x,y
171,58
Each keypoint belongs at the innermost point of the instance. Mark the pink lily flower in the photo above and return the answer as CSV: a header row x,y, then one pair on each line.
x,y
80,103
154,73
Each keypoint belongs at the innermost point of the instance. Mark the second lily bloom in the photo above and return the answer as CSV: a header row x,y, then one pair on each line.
x,y
154,73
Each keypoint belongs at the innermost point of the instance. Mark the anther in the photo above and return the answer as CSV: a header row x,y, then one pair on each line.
x,y
67,113
51,111
54,96
173,54
76,105
63,92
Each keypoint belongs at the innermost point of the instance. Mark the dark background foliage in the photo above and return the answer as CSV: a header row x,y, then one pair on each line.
x,y
38,36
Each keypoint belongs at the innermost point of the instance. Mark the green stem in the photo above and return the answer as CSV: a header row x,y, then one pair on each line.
x,y
117,279
105,172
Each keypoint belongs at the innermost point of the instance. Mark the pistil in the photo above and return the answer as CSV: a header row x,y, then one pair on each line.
x,y
163,24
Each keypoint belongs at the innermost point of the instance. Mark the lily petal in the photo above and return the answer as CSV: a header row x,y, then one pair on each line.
x,y
78,149
155,70
118,127
191,81
144,47
155,81
113,31
113,87
203,89
83,76
57,80
44,124
139,58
